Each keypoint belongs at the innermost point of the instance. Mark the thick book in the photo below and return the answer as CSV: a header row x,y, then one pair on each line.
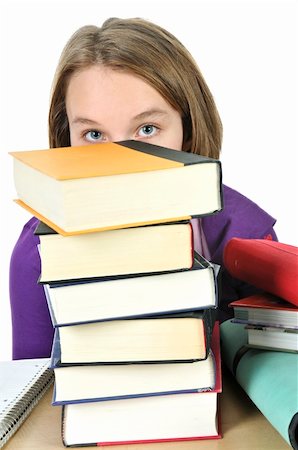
x,y
136,296
114,253
269,265
144,419
115,185
182,337
269,378
272,338
265,309
77,384
22,384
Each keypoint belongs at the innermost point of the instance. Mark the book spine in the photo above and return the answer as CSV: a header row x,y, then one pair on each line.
x,y
209,318
267,265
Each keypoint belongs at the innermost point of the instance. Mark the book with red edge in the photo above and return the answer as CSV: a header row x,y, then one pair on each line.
x,y
268,265
158,418
265,309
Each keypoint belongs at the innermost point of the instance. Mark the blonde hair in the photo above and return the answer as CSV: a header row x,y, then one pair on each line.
x,y
150,52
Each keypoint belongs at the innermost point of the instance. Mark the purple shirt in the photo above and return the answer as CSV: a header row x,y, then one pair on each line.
x,y
31,324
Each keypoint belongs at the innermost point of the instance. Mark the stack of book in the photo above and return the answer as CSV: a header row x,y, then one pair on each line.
x,y
133,305
260,344
271,317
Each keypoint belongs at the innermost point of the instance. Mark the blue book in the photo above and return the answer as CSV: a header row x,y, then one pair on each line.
x,y
270,378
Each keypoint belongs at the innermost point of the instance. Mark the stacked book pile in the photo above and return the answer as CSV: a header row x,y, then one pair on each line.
x,y
260,344
136,351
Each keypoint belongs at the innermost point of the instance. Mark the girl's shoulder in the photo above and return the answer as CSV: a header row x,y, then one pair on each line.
x,y
240,217
25,254
26,244
243,212
27,234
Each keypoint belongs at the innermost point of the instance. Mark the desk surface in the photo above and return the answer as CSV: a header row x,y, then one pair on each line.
x,y
243,427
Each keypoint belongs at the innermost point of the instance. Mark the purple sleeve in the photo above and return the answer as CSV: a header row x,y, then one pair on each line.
x,y
240,218
32,330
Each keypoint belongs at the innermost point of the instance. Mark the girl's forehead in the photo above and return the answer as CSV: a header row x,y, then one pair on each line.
x,y
101,87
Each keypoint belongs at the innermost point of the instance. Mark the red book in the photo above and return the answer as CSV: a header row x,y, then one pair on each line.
x,y
268,265
265,309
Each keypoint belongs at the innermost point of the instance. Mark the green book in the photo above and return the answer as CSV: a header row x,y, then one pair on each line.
x,y
270,379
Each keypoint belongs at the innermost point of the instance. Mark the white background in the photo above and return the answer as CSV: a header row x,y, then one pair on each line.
x,y
247,52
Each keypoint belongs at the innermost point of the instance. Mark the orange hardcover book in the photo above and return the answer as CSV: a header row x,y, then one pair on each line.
x,y
115,185
157,418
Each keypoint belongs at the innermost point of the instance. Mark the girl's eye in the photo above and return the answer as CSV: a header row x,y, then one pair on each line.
x,y
148,130
93,136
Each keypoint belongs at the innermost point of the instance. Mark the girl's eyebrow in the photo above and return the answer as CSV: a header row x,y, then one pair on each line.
x,y
150,113
141,116
84,121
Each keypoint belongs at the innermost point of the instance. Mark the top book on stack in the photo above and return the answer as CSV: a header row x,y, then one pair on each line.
x,y
115,185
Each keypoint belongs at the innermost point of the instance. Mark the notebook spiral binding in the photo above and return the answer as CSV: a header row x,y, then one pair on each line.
x,y
16,411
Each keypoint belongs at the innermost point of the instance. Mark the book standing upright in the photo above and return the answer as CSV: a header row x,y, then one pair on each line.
x,y
164,340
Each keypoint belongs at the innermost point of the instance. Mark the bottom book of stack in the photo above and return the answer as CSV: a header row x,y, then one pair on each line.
x,y
140,403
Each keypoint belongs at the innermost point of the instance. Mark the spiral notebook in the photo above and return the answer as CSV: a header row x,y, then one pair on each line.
x,y
22,383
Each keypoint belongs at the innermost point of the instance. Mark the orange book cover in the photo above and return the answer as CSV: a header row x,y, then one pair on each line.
x,y
114,185
63,232
95,160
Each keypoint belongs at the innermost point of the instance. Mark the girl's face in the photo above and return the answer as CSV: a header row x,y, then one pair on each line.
x,y
105,105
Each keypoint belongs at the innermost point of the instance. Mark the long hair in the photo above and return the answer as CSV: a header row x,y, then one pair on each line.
x,y
157,57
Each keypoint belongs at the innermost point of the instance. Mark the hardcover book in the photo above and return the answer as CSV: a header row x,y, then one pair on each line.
x,y
269,265
143,419
265,309
269,378
115,185
114,253
77,384
182,337
273,338
134,296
